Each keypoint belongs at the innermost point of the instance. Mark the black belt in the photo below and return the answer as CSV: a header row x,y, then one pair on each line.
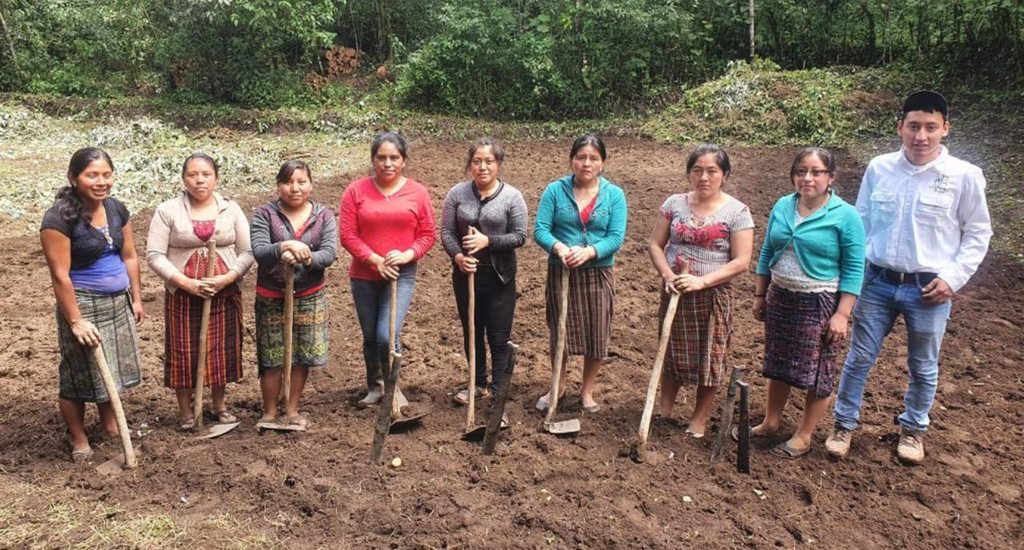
x,y
898,278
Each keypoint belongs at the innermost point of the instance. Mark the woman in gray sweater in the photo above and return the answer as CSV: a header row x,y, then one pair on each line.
x,y
483,222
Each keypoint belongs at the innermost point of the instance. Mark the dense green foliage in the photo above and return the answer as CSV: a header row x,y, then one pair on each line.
x,y
493,58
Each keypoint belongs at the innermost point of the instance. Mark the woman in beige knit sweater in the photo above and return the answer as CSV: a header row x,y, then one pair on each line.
x,y
176,251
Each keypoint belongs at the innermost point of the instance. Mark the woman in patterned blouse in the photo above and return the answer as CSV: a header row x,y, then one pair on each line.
x,y
712,233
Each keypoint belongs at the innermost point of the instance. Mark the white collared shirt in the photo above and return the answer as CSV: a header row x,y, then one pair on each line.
x,y
931,218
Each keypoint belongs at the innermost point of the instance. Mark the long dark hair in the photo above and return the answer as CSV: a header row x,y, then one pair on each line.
x,y
68,203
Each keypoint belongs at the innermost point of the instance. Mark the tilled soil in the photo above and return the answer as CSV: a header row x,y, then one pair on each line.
x,y
319,489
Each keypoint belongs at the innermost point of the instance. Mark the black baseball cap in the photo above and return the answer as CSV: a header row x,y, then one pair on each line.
x,y
926,100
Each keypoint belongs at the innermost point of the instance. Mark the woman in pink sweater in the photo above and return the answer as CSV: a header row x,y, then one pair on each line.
x,y
386,224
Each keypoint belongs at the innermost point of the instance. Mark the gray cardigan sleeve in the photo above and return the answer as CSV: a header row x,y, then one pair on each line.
x,y
266,252
449,230
328,251
518,218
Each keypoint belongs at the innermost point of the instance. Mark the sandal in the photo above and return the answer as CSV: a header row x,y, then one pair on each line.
x,y
186,424
463,395
736,433
693,434
542,403
225,417
295,420
782,450
81,456
104,437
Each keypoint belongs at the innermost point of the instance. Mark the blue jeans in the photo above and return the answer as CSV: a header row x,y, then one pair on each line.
x,y
373,308
879,304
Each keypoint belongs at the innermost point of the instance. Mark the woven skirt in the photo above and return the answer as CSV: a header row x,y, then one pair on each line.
x,y
80,378
591,304
795,350
310,333
182,316
700,335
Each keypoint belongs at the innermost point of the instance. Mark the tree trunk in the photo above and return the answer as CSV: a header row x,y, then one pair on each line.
x,y
872,36
751,11
7,35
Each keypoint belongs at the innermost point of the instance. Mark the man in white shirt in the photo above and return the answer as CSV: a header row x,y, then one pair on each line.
x,y
928,228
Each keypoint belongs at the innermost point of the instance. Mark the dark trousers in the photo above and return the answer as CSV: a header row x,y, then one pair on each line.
x,y
495,309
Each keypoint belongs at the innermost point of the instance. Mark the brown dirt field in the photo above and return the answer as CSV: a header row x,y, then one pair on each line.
x,y
319,489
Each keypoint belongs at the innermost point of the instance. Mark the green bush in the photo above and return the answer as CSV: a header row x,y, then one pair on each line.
x,y
97,48
554,59
252,52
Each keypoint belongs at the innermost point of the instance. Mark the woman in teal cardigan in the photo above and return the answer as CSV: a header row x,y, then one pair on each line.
x,y
581,223
808,277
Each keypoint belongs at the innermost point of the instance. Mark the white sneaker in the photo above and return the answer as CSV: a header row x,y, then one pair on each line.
x,y
911,447
838,444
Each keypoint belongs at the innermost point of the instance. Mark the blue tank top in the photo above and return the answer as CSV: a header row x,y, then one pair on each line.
x,y
106,275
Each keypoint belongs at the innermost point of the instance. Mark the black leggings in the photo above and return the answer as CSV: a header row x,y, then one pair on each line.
x,y
495,308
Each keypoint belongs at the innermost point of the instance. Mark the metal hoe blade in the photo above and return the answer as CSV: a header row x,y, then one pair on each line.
x,y
402,421
564,427
475,434
218,430
261,426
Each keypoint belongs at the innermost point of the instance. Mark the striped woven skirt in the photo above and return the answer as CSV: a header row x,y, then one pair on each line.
x,y
310,334
795,350
80,379
182,316
591,304
699,340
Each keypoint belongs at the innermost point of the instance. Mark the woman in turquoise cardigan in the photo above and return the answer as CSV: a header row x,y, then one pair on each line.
x,y
809,275
581,222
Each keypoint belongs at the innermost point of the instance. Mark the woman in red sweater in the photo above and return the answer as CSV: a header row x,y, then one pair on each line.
x,y
386,224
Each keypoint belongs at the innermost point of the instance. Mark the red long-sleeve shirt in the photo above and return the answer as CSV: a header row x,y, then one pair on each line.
x,y
371,223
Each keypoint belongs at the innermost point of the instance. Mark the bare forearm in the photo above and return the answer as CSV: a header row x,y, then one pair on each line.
x,y
134,278
846,303
66,301
657,254
761,284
